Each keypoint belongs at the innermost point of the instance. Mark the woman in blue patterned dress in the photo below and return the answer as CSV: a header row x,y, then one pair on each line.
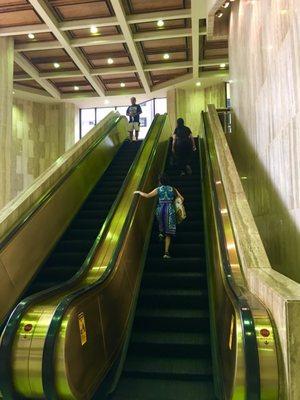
x,y
165,211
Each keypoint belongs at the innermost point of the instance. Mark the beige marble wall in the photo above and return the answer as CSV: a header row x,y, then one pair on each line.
x,y
189,103
6,94
264,47
41,133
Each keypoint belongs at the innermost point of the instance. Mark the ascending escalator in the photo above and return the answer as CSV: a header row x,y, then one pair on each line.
x,y
73,247
169,354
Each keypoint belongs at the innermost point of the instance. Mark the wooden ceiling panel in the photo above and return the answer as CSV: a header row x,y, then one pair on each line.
x,y
39,37
103,31
120,77
129,85
163,43
31,84
44,59
169,24
142,6
64,66
17,18
70,89
156,58
97,55
164,76
75,10
104,48
120,62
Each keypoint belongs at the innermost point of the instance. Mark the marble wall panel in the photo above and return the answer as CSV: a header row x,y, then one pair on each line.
x,y
40,133
190,102
264,52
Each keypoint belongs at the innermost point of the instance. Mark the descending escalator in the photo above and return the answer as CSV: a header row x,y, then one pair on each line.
x,y
74,245
169,353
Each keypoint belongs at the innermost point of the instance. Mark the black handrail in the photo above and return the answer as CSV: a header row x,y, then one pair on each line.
x,y
49,346
241,301
6,381
42,200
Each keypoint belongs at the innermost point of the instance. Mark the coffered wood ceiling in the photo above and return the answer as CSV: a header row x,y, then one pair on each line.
x,y
62,58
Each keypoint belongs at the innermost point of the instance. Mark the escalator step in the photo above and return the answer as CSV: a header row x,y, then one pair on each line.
x,y
176,264
167,279
180,249
170,344
174,297
163,368
163,389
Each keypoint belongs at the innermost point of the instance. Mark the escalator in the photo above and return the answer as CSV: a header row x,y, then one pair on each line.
x,y
133,325
72,248
169,354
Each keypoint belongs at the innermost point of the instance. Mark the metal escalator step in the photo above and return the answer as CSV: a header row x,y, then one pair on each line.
x,y
167,279
171,344
155,262
167,367
179,250
131,388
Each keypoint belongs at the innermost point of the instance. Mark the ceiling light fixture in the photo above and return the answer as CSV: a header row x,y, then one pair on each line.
x,y
56,65
76,88
223,65
106,101
166,56
219,14
31,36
14,92
160,23
122,84
198,84
110,61
93,30
225,5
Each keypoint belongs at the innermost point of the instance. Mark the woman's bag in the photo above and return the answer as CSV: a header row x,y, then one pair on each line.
x,y
180,210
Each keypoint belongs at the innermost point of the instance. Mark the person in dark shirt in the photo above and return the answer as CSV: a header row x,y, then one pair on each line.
x,y
183,146
133,112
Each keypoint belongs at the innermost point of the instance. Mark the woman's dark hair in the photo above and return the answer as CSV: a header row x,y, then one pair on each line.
x,y
180,122
164,180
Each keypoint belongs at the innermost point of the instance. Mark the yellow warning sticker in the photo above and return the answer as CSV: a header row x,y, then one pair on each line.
x,y
82,328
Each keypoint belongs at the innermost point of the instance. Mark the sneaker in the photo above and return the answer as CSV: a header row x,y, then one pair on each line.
x,y
167,256
189,170
161,237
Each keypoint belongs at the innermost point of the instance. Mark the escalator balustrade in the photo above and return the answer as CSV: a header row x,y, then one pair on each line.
x,y
169,353
73,247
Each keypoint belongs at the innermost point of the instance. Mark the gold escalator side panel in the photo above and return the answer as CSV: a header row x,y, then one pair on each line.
x,y
22,255
113,299
27,354
234,379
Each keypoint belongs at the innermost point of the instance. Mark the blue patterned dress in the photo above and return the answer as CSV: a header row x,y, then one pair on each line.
x,y
165,211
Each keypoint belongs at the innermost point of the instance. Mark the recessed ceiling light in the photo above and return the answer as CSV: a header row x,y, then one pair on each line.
x,y
106,101
14,92
198,83
223,65
160,23
31,36
219,14
56,65
110,61
225,5
122,84
166,56
93,29
76,88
